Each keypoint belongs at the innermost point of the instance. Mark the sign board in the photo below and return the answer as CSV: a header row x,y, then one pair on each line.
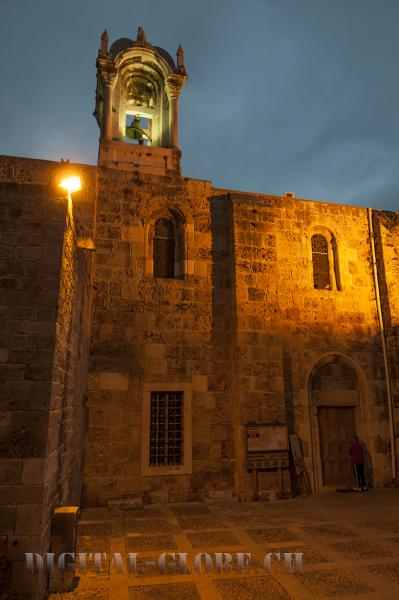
x,y
266,438
267,460
299,464
297,454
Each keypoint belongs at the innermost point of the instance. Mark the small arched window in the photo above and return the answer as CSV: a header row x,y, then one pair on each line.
x,y
164,249
321,263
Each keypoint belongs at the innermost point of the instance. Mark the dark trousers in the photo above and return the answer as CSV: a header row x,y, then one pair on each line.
x,y
360,478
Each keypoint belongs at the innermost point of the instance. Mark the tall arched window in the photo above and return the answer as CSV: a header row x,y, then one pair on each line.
x,y
164,249
321,263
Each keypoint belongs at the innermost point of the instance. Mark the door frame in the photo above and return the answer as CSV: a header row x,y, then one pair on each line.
x,y
360,413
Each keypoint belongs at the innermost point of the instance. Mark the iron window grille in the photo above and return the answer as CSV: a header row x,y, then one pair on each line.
x,y
166,429
321,263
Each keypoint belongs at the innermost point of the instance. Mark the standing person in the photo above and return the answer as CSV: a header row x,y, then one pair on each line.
x,y
357,454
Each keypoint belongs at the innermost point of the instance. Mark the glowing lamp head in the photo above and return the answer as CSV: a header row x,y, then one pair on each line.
x,y
71,184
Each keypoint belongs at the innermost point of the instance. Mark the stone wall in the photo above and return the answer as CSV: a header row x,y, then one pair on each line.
x,y
285,326
146,331
67,411
44,319
242,330
245,328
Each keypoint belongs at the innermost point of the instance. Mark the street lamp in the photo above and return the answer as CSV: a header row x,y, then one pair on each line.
x,y
71,184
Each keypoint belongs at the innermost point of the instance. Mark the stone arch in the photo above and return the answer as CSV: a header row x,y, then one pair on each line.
x,y
143,63
337,393
156,112
178,225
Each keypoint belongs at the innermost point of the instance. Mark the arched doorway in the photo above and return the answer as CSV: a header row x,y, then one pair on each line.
x,y
335,409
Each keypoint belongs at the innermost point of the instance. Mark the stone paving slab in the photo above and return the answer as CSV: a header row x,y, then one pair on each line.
x,y
251,588
91,543
94,514
388,573
152,525
190,509
271,535
380,526
211,539
147,511
142,543
311,555
97,594
332,583
328,531
343,557
147,566
92,580
248,521
168,591
360,550
200,522
100,528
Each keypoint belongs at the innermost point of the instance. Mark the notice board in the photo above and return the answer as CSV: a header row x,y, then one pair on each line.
x,y
266,437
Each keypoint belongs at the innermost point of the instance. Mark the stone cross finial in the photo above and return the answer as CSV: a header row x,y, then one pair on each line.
x,y
180,61
141,37
104,43
180,56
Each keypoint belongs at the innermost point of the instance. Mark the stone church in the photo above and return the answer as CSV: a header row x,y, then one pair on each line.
x,y
148,319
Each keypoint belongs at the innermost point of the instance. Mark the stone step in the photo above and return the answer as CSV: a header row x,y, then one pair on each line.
x,y
220,496
117,505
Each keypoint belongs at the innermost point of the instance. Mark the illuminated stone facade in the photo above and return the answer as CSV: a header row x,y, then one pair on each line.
x,y
243,326
236,325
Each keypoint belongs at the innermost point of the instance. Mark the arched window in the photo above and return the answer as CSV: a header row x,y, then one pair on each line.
x,y
321,263
164,249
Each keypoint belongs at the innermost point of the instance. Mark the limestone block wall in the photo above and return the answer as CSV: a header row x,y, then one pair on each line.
x,y
67,418
149,331
285,326
44,283
244,328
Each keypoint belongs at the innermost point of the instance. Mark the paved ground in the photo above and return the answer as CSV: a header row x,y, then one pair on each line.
x,y
349,542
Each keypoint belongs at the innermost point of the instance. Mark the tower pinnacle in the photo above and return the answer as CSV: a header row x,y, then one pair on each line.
x,y
141,37
180,60
104,43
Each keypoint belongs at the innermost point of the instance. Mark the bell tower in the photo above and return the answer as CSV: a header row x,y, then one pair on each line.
x,y
138,88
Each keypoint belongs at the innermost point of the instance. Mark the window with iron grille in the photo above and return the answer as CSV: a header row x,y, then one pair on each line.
x,y
321,263
164,249
166,429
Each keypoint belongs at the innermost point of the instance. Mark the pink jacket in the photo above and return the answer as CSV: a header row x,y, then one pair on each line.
x,y
357,454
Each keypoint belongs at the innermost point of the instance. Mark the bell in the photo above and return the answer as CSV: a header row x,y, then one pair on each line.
x,y
135,132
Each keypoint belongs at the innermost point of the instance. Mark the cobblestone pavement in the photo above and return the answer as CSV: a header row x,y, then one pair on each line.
x,y
350,545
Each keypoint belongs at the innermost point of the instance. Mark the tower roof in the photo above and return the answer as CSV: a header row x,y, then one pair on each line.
x,y
123,44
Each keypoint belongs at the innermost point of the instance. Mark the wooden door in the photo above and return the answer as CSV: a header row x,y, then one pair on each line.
x,y
336,429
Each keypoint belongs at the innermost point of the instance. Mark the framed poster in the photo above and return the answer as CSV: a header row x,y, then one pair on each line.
x,y
266,437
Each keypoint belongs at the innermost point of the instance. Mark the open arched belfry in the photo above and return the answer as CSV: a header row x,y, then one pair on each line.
x,y
153,318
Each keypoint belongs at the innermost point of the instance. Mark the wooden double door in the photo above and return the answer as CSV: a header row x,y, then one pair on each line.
x,y
337,427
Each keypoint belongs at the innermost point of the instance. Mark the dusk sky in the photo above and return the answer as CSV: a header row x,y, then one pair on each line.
x,y
282,95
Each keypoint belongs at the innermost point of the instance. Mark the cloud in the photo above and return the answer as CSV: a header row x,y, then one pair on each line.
x,y
288,95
